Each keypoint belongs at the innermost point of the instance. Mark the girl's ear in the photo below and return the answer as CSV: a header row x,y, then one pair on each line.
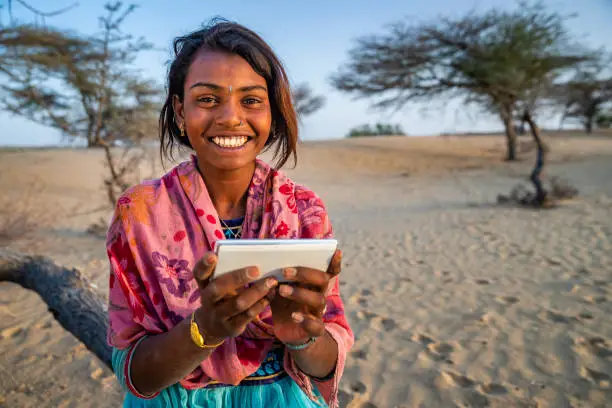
x,y
179,112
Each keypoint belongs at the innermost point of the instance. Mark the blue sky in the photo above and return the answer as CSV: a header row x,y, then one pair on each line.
x,y
312,39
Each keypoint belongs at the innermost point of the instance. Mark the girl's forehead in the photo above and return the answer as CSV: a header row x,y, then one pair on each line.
x,y
223,69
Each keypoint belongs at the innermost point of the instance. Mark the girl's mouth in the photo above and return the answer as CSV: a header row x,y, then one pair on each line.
x,y
230,142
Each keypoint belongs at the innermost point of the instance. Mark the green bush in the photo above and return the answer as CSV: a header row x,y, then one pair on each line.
x,y
604,120
379,129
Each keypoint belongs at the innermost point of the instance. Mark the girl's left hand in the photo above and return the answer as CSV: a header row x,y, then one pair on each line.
x,y
298,305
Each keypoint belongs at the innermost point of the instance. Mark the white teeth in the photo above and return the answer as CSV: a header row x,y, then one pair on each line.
x,y
234,141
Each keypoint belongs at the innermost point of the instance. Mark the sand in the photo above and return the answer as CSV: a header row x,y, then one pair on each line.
x,y
455,301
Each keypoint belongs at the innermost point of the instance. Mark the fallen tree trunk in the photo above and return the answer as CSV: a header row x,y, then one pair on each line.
x,y
68,294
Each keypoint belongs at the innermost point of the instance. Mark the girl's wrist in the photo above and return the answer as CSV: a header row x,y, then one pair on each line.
x,y
301,345
210,340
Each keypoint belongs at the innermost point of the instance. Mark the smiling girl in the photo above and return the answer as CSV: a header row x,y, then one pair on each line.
x,y
180,338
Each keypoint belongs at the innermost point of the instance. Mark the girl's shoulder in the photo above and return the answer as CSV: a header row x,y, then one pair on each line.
x,y
146,190
307,197
314,220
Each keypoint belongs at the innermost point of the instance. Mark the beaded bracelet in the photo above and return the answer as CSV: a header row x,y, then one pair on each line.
x,y
301,346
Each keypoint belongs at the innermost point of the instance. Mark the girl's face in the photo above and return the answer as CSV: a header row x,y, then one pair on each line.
x,y
225,111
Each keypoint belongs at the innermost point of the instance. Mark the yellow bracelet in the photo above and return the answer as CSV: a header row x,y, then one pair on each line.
x,y
197,337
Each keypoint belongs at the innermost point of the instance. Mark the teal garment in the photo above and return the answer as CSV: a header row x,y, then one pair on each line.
x,y
280,392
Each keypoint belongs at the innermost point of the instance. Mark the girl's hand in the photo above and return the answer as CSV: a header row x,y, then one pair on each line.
x,y
227,305
298,307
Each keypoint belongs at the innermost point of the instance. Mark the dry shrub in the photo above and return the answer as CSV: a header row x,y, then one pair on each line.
x,y
557,188
98,228
19,214
125,167
561,189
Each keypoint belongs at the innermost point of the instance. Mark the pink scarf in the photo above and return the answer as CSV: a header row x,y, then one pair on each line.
x,y
161,228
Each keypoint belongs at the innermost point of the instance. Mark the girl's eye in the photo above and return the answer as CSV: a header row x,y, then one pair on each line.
x,y
206,99
251,101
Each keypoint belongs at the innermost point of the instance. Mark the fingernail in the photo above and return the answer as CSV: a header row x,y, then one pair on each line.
x,y
290,272
270,283
210,259
253,272
286,290
297,317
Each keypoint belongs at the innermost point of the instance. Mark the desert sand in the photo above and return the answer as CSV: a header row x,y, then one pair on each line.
x,y
455,301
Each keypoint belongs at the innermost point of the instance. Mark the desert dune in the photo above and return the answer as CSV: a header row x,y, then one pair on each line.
x,y
455,301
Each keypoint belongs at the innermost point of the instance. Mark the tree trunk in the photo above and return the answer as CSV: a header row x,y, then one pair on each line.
x,y
510,140
93,142
588,125
510,135
542,149
68,295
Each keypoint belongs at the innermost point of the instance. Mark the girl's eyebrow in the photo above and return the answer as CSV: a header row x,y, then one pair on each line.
x,y
216,87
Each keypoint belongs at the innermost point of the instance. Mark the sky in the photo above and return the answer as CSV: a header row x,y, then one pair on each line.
x,y
312,39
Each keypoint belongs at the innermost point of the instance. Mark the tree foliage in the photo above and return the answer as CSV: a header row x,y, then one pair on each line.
x,y
305,101
604,120
499,60
84,86
587,94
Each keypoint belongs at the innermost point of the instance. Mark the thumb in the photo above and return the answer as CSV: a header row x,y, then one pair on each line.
x,y
204,269
336,264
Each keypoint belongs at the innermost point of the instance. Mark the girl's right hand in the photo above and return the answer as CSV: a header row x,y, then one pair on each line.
x,y
227,304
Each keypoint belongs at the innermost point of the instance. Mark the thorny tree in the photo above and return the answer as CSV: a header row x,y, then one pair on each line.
x,y
84,87
491,58
587,94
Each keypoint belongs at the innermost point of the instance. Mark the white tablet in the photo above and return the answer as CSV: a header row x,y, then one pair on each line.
x,y
272,255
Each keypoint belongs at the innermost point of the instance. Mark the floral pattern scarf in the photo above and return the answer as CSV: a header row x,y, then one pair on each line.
x,y
161,228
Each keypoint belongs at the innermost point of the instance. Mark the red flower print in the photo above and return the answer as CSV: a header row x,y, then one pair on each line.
x,y
282,230
291,203
218,234
303,194
287,189
211,219
124,200
179,236
136,307
123,263
200,212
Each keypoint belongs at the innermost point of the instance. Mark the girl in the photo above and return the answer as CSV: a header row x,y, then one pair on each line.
x,y
179,338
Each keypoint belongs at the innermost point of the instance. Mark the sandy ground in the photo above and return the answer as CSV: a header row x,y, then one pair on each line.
x,y
455,301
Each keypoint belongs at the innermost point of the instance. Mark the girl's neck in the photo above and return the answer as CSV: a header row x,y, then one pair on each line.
x,y
228,189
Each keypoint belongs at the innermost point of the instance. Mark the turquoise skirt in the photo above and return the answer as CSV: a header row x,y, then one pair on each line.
x,y
270,387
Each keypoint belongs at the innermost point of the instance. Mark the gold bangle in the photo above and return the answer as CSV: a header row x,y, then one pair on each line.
x,y
197,337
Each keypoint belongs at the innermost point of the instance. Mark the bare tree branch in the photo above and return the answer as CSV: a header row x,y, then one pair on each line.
x,y
42,13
